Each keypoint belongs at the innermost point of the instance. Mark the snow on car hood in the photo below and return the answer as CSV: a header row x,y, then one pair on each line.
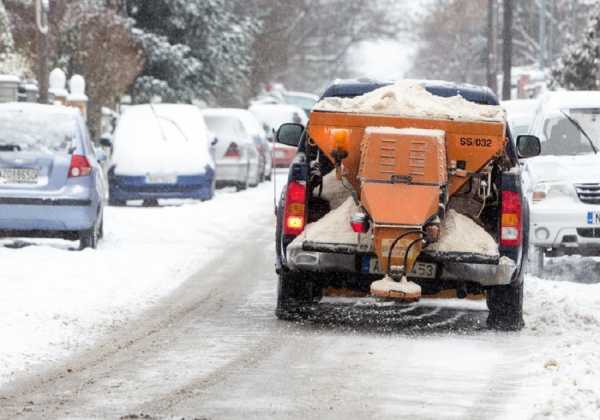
x,y
581,168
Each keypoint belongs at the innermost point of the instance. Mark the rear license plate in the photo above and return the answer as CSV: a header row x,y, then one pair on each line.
x,y
420,270
424,270
593,218
18,176
161,179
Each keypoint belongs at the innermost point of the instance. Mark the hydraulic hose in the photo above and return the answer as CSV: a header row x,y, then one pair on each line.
x,y
404,235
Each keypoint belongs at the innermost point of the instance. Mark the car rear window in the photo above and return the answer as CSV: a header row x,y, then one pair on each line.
x,y
224,126
36,130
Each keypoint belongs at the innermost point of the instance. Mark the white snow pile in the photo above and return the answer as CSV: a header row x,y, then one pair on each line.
x,y
410,99
55,302
334,227
566,317
335,191
461,234
161,139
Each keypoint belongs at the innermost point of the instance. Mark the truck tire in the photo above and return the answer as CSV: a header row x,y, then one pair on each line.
x,y
505,304
295,291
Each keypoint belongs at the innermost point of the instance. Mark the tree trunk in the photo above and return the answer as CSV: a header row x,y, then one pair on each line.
x,y
492,79
507,49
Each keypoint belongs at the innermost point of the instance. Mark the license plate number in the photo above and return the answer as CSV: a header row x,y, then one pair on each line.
x,y
593,218
161,179
424,270
18,176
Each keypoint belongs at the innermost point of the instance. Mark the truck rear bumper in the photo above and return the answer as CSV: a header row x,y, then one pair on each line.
x,y
486,274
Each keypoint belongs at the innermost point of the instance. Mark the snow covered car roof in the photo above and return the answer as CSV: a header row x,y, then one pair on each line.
x,y
274,115
552,101
248,120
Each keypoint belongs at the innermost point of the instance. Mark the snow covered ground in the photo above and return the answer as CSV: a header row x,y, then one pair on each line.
x,y
55,301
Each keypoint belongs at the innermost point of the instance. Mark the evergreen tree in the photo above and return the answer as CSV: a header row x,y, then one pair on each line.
x,y
579,65
195,49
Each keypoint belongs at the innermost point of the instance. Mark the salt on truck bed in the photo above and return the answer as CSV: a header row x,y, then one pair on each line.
x,y
415,166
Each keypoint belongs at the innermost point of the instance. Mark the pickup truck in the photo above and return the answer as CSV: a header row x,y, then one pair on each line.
x,y
305,271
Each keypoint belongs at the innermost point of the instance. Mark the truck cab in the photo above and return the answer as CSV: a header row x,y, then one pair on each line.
x,y
493,198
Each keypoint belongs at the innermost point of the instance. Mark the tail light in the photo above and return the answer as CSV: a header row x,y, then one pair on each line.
x,y
294,214
233,151
80,166
359,223
511,223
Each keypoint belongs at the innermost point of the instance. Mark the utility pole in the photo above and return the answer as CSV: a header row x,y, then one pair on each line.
x,y
507,49
492,35
542,40
41,18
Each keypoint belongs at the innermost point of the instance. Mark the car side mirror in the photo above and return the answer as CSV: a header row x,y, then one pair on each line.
x,y
106,142
528,146
290,134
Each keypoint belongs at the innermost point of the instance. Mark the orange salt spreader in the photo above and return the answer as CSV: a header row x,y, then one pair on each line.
x,y
404,171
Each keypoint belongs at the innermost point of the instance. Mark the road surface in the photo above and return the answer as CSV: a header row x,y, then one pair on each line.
x,y
213,349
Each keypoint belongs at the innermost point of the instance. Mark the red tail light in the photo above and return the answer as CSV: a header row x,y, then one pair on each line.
x,y
233,151
359,223
80,166
511,224
294,214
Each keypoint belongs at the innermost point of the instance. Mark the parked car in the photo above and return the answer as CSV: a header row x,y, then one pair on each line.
x,y
563,183
51,184
271,116
237,157
161,151
519,114
304,100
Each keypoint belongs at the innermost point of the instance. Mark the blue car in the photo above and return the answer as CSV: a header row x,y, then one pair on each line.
x,y
51,183
161,151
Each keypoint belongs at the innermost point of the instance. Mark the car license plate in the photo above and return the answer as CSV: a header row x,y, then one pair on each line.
x,y
161,179
593,218
18,176
424,270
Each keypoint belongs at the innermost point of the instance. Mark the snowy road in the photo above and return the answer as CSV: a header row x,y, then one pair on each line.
x,y
212,348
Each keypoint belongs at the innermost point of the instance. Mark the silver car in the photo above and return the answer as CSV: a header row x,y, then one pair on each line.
x,y
51,183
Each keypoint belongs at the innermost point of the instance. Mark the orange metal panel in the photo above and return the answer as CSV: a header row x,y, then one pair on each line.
x,y
387,153
475,143
400,204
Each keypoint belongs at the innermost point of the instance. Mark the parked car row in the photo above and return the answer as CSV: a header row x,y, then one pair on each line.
x,y
563,183
54,181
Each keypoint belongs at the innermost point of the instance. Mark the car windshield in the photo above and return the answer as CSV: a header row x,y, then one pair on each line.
x,y
225,126
46,132
565,133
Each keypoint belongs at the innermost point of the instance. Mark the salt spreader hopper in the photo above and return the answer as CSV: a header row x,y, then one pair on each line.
x,y
404,171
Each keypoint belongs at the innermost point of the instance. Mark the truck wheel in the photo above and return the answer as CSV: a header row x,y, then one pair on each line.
x,y
505,304
295,292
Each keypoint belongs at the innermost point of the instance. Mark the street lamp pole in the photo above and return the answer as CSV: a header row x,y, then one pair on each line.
x,y
41,19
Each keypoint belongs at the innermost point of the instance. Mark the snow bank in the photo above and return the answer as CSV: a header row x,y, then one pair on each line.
x,y
409,98
566,316
55,302
161,140
461,234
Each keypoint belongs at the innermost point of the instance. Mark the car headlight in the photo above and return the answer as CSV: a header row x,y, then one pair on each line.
x,y
544,190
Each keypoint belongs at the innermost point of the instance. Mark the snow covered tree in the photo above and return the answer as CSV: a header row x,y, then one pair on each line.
x,y
11,62
195,49
579,65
